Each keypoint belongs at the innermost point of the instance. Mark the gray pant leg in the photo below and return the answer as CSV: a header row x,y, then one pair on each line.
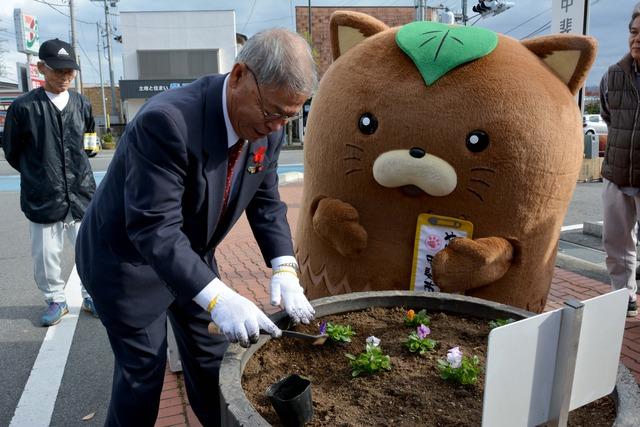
x,y
47,243
618,235
72,234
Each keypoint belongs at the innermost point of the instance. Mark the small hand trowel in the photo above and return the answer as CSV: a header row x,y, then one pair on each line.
x,y
316,339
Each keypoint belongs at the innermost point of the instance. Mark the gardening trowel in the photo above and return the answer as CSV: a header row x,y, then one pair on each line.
x,y
316,339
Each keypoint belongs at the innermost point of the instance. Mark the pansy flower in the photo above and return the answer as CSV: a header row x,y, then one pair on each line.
x,y
454,357
323,327
423,331
373,341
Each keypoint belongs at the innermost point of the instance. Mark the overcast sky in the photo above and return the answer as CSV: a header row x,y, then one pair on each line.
x,y
608,23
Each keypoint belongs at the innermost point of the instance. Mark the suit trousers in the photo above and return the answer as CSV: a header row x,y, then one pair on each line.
x,y
621,213
140,360
47,245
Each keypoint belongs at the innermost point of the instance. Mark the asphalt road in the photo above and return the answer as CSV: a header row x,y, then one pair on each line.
x,y
86,382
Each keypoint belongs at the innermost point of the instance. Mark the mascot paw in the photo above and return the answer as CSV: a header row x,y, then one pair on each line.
x,y
467,264
338,223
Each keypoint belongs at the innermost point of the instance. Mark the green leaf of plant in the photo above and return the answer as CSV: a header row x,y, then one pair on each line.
x,y
438,48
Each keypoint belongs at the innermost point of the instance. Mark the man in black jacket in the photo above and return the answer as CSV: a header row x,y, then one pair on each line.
x,y
43,140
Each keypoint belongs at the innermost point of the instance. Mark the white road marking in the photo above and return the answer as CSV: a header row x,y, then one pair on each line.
x,y
38,399
571,227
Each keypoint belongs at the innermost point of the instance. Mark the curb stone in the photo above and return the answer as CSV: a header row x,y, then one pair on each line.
x,y
290,178
627,394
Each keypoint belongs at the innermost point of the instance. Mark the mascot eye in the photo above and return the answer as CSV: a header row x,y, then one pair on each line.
x,y
477,141
367,123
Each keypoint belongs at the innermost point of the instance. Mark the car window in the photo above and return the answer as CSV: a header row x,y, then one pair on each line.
x,y
594,119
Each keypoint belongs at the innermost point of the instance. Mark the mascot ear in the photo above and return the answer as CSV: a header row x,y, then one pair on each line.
x,y
569,57
350,28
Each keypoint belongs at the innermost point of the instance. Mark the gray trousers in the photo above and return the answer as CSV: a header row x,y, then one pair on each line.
x,y
47,244
621,213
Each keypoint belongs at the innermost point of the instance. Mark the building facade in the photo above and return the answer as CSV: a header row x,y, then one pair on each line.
x,y
164,50
320,17
94,93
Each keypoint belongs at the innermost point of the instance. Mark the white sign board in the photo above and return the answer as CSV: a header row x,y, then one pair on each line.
x,y
27,37
568,16
521,362
603,320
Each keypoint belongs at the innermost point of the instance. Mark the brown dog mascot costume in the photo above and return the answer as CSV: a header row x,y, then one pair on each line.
x,y
458,122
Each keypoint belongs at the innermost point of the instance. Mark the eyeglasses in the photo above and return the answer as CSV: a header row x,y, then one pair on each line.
x,y
268,117
61,72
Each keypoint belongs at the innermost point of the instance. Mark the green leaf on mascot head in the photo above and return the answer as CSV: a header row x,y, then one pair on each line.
x,y
438,48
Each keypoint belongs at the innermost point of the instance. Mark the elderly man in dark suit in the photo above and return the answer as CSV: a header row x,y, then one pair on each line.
x,y
188,165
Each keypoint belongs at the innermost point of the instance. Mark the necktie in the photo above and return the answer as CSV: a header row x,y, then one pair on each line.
x,y
233,153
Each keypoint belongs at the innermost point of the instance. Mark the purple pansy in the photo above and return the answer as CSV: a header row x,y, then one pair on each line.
x,y
423,331
323,327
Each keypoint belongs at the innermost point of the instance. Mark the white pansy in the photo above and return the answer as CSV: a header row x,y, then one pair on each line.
x,y
454,357
373,341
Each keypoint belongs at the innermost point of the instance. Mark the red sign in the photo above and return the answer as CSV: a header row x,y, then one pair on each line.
x,y
37,79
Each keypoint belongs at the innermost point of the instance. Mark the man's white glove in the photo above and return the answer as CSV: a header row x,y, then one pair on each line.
x,y
237,317
285,287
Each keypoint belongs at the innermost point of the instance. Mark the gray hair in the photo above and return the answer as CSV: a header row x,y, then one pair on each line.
x,y
634,14
282,59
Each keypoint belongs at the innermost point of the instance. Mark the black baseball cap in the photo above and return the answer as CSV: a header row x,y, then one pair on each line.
x,y
58,55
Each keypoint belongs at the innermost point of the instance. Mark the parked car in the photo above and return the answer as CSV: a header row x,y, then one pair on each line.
x,y
593,124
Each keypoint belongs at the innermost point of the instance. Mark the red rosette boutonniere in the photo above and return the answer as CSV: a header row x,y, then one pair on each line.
x,y
258,158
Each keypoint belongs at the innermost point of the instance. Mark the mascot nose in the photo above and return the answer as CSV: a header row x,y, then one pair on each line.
x,y
429,173
416,152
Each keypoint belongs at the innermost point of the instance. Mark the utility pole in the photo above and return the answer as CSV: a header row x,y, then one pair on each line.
x,y
421,10
3,51
309,13
74,44
108,32
464,12
104,104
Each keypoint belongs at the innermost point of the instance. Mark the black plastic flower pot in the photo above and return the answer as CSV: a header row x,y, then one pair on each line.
x,y
291,398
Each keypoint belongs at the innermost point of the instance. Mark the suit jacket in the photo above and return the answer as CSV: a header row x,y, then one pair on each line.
x,y
150,232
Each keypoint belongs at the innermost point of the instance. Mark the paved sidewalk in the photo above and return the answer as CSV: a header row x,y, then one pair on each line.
x,y
242,267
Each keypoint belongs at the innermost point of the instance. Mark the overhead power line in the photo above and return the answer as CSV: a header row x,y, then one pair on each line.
x,y
545,27
528,20
48,3
52,6
86,55
249,18
474,22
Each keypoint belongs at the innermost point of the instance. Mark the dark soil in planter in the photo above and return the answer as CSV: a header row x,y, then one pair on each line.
x,y
412,393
